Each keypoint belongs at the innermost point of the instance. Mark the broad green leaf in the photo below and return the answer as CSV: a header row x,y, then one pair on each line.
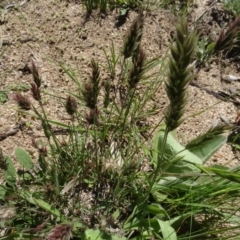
x,y
91,234
177,222
124,11
159,197
167,231
177,158
24,158
230,218
10,174
205,150
155,226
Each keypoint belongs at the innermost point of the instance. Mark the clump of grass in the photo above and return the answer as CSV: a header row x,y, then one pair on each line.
x,y
233,6
229,39
93,176
106,5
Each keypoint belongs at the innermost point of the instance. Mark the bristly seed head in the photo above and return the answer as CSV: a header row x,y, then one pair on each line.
x,y
36,77
23,101
179,74
60,232
71,105
92,116
91,89
137,71
35,91
230,38
134,36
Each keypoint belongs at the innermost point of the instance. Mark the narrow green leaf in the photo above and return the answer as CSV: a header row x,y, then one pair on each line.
x,y
156,209
24,158
42,204
46,206
235,177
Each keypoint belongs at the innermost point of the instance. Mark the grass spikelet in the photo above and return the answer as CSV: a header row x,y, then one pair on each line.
x,y
91,89
179,74
137,71
107,87
134,36
36,77
35,91
22,101
60,232
71,105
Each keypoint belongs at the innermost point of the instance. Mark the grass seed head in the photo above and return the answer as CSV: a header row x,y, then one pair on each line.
x,y
35,91
36,77
91,89
229,38
92,116
60,232
71,105
137,71
22,101
134,36
179,74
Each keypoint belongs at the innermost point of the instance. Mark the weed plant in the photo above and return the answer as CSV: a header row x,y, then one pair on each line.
x,y
94,184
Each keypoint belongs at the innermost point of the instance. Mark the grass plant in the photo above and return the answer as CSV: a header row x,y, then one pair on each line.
x,y
92,184
233,6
